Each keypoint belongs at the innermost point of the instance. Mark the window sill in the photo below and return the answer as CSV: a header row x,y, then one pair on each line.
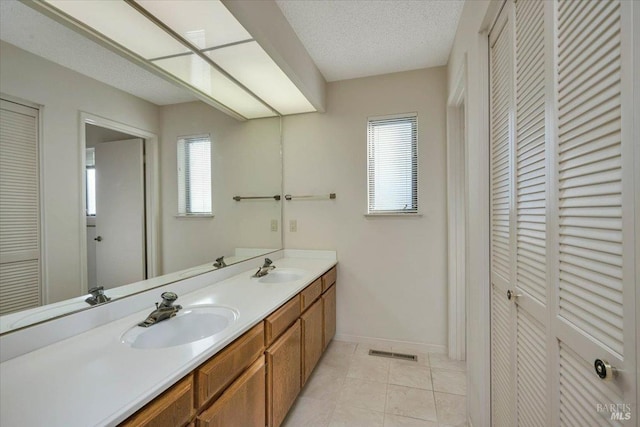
x,y
185,216
392,214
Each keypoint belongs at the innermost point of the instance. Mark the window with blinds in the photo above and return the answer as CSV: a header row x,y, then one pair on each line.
x,y
91,181
392,164
194,175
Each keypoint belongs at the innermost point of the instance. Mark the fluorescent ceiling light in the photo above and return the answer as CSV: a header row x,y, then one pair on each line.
x,y
119,22
199,43
255,69
199,74
206,24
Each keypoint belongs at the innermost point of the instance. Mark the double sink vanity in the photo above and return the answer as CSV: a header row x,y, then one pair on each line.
x,y
236,351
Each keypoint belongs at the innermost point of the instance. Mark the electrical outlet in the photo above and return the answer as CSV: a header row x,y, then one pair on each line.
x,y
274,225
293,225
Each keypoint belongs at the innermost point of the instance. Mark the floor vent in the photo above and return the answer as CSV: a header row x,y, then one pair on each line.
x,y
379,353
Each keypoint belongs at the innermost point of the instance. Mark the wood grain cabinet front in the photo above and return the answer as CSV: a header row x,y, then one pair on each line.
x,y
278,321
242,404
312,344
283,374
310,294
218,372
329,278
329,317
173,408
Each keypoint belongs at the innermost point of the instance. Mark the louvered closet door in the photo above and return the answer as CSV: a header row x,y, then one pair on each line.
x,y
530,152
19,208
594,313
502,258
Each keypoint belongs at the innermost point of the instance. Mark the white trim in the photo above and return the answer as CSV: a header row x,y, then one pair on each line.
x,y
456,215
407,345
152,193
636,137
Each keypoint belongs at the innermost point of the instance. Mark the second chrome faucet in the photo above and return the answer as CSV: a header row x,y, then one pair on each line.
x,y
265,269
164,310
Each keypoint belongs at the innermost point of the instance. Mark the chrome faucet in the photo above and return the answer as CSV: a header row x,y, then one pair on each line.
x,y
165,310
97,296
265,269
220,262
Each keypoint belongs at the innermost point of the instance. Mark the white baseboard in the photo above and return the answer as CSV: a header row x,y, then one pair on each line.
x,y
385,343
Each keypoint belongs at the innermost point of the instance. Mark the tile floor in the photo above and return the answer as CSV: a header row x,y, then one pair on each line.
x,y
352,389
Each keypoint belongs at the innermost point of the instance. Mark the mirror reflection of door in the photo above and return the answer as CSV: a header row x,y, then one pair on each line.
x,y
116,253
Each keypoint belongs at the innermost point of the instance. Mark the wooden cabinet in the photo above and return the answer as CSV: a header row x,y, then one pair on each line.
x,y
173,408
329,278
312,344
329,308
279,320
218,372
283,374
242,404
310,294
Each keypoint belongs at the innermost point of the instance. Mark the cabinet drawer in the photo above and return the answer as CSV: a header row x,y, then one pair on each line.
x,y
310,294
279,320
172,408
242,404
329,278
217,373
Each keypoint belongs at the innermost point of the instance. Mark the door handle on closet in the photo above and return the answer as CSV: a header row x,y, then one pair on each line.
x,y
98,239
512,295
604,370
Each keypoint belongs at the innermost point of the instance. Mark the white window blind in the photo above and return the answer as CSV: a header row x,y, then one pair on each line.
x,y
392,157
91,181
194,175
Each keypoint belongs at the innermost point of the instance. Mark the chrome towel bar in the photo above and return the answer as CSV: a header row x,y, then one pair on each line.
x,y
238,198
316,196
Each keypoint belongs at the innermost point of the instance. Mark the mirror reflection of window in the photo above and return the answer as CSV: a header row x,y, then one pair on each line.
x,y
194,175
91,182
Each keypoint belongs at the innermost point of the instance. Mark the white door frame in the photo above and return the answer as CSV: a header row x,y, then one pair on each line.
x,y
152,192
457,214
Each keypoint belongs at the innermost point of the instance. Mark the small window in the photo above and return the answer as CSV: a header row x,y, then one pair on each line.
x,y
194,175
91,181
392,164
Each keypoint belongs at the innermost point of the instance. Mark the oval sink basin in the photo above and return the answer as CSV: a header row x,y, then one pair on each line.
x,y
282,276
189,325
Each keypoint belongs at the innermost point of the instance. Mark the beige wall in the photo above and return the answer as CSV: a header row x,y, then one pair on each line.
x,y
246,162
64,94
392,271
471,46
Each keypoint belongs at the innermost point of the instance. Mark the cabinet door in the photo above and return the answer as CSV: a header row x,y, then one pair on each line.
x,y
283,374
242,404
329,317
173,408
312,345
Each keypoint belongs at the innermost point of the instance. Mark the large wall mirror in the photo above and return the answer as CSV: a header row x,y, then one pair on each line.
x,y
103,176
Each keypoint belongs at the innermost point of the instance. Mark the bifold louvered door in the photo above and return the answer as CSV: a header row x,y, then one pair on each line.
x,y
562,219
19,208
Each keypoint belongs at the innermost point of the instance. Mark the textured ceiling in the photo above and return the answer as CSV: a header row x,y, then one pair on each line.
x,y
357,38
29,30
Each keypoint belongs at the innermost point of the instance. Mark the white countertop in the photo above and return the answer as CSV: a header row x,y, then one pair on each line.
x,y
92,379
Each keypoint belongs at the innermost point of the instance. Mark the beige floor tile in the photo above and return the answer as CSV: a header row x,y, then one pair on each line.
x,y
452,408
391,420
349,416
410,375
369,368
411,402
323,385
363,394
341,347
336,362
363,349
308,412
441,360
449,381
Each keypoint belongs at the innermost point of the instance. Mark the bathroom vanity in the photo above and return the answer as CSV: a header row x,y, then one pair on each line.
x,y
247,371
